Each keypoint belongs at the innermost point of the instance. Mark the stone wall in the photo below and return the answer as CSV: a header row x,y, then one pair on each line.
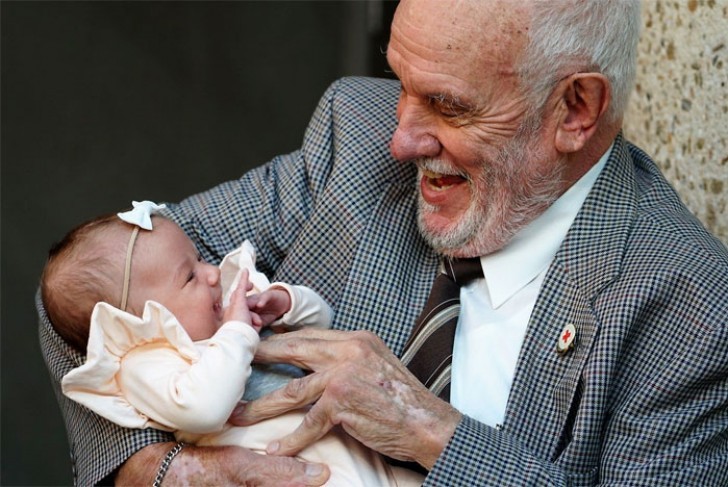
x,y
679,110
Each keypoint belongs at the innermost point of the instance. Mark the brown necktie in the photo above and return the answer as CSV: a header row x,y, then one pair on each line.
x,y
428,352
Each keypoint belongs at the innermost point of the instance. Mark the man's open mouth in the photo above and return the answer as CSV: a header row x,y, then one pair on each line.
x,y
442,181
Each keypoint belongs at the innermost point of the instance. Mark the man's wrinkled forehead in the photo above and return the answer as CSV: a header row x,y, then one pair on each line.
x,y
468,28
471,39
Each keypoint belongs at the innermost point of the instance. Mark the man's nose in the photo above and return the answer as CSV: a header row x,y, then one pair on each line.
x,y
414,135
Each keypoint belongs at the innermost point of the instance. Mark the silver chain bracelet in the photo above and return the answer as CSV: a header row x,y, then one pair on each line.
x,y
166,462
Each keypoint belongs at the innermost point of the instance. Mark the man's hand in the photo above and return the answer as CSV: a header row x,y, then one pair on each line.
x,y
356,382
223,465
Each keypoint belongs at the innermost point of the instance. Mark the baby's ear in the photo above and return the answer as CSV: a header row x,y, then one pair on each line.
x,y
585,97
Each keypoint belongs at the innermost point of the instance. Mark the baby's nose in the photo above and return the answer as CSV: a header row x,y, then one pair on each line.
x,y
213,274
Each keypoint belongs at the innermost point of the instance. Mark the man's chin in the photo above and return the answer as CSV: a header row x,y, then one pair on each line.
x,y
444,239
462,240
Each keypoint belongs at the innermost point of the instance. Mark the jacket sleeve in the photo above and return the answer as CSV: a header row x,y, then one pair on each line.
x,y
97,446
665,416
269,205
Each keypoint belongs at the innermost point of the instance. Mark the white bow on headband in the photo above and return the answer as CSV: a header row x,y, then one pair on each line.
x,y
141,214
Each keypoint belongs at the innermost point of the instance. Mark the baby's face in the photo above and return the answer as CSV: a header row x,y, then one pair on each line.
x,y
166,268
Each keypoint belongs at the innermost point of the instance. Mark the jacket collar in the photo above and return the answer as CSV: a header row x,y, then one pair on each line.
x,y
594,246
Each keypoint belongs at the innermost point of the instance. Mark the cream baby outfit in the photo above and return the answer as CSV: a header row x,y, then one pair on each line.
x,y
147,373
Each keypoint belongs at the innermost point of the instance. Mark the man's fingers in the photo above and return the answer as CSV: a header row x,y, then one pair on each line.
x,y
268,471
316,423
323,334
221,465
294,395
316,349
316,473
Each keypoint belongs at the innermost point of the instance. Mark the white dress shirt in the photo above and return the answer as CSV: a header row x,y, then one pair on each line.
x,y
495,310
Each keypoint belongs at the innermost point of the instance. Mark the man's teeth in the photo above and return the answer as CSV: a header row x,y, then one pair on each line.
x,y
442,181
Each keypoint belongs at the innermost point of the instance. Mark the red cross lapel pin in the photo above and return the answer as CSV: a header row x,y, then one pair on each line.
x,y
566,340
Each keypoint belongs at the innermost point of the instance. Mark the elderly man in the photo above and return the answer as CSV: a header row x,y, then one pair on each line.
x,y
593,349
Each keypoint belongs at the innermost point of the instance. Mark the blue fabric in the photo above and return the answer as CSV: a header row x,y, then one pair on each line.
x,y
642,399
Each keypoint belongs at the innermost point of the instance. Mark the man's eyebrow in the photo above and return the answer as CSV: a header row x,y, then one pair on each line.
x,y
450,101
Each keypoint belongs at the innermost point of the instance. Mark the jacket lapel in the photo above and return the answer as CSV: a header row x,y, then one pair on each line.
x,y
369,260
549,387
392,271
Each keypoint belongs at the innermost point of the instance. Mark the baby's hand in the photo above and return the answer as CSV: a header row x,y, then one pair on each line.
x,y
238,308
270,305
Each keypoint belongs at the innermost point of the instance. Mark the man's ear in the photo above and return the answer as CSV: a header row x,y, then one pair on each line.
x,y
585,97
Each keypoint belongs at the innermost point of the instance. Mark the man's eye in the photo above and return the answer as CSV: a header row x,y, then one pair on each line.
x,y
448,113
447,107
190,277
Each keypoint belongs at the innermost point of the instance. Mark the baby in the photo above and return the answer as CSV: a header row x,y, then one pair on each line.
x,y
169,338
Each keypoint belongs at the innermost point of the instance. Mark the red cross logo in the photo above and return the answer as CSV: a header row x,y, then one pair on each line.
x,y
566,336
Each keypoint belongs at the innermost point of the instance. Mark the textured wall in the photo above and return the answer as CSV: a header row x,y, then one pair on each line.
x,y
679,111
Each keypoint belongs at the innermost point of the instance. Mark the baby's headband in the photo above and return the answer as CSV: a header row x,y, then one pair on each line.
x,y
141,217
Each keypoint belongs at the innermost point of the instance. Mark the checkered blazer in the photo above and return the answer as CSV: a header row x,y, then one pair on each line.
x,y
642,399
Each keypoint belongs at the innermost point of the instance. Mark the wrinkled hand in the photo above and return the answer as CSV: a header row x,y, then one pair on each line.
x,y
358,383
224,465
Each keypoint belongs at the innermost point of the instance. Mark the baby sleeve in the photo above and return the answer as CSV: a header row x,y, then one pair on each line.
x,y
307,309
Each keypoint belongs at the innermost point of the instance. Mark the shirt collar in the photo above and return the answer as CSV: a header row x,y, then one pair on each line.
x,y
532,249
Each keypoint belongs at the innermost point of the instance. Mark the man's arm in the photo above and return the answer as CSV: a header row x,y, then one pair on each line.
x,y
223,465
361,387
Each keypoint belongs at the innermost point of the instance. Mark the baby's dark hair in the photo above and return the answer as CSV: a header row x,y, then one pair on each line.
x,y
84,268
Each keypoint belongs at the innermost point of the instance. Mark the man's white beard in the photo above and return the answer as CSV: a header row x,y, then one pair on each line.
x,y
505,198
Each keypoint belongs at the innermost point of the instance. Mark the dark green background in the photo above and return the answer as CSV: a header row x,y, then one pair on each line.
x,y
105,102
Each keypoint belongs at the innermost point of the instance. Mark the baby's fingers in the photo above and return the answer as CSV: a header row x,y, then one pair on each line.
x,y
257,321
238,307
244,284
263,300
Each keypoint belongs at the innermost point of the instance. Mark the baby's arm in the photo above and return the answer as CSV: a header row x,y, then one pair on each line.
x,y
196,396
306,308
269,305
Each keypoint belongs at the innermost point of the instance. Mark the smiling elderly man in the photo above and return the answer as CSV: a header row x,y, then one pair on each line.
x,y
592,350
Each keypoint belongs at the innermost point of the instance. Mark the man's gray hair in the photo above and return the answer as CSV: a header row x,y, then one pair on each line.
x,y
568,36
